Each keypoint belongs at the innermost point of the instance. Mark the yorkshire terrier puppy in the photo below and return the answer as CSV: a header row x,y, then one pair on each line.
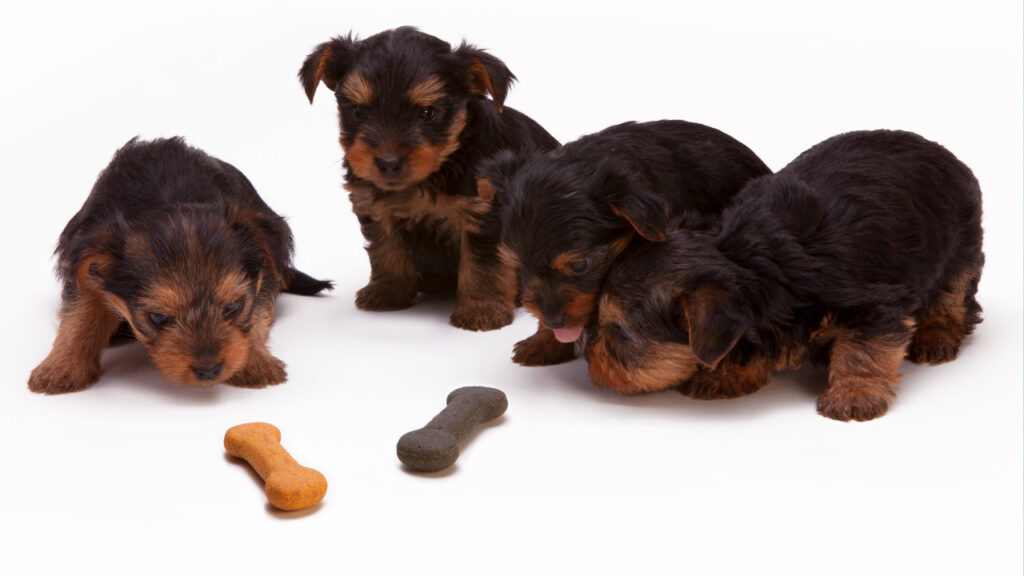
x,y
176,247
566,214
865,250
415,123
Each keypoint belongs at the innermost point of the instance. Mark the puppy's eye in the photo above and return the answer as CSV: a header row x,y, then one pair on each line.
x,y
160,320
231,310
428,113
581,266
621,334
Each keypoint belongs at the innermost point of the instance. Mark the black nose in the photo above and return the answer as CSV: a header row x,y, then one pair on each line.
x,y
554,321
207,372
389,165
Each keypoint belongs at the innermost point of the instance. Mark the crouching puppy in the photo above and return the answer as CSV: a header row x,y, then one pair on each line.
x,y
177,247
568,213
415,124
863,251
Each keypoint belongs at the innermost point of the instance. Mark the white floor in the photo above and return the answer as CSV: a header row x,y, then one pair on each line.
x,y
130,476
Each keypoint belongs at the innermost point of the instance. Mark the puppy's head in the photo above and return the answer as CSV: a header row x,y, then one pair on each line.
x,y
563,223
402,100
196,287
666,311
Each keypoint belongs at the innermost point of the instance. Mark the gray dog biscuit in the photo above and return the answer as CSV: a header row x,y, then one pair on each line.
x,y
436,446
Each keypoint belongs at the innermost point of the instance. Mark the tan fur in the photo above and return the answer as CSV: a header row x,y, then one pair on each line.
x,y
862,375
481,80
943,327
728,380
563,262
510,258
485,300
427,92
428,158
453,214
86,325
543,349
665,365
357,89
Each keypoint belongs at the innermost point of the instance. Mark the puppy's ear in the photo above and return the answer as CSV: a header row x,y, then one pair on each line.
x,y
327,63
632,200
715,322
266,242
487,74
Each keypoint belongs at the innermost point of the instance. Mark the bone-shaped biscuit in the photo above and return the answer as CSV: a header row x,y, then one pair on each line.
x,y
436,446
289,486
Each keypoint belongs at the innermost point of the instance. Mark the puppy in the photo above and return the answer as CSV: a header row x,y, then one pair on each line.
x,y
566,214
415,124
176,246
863,251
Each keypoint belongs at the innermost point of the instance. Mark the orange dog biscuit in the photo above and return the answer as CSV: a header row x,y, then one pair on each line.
x,y
289,486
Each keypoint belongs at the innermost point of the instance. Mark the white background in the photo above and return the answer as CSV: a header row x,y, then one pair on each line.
x,y
130,477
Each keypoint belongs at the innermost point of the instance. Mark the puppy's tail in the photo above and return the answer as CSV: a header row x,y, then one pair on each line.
x,y
303,284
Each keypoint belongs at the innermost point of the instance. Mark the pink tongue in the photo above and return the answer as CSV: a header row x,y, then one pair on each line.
x,y
568,335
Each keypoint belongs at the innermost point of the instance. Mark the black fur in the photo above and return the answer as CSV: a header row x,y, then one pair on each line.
x,y
150,188
414,245
856,236
585,198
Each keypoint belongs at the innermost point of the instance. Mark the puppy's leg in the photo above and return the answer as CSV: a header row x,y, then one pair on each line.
x,y
951,315
486,291
727,381
85,329
543,349
393,278
261,368
862,375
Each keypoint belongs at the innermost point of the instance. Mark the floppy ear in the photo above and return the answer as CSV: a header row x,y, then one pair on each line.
x,y
328,63
716,322
266,240
487,74
632,200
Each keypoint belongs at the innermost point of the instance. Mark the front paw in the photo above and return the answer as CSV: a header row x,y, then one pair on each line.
x,y
481,315
542,350
57,376
264,370
725,383
853,402
381,297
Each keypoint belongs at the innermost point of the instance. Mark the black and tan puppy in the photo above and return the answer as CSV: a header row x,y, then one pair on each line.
x,y
415,124
567,213
177,246
863,251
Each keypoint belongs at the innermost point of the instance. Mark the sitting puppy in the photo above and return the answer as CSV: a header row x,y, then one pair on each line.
x,y
415,124
567,213
177,247
864,250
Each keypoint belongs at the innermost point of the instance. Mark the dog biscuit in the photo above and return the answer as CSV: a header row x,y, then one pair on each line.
x,y
436,446
289,486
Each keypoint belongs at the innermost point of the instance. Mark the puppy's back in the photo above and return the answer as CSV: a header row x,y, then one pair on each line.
x,y
898,205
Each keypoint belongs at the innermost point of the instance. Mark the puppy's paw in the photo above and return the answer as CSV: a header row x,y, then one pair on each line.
x,y
481,315
853,402
57,376
542,350
934,346
725,382
262,370
381,297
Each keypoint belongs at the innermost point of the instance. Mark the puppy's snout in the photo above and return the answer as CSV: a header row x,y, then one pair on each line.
x,y
390,165
207,370
554,321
